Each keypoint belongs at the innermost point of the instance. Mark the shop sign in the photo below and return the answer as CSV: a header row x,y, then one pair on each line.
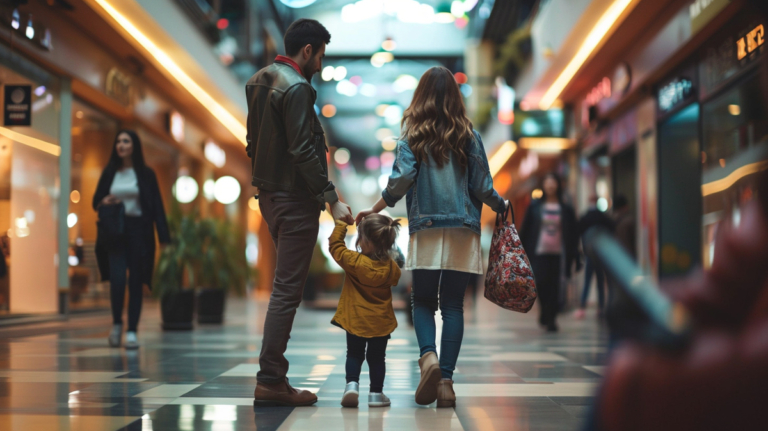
x,y
18,105
118,86
750,42
702,11
672,94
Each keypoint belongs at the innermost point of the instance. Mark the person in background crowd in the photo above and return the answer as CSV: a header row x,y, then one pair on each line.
x,y
442,170
129,181
287,148
365,308
593,218
550,236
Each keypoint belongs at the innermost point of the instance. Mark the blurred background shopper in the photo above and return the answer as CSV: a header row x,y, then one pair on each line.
x,y
550,237
592,218
128,182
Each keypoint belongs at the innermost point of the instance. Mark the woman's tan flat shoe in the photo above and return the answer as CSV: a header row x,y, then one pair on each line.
x,y
445,395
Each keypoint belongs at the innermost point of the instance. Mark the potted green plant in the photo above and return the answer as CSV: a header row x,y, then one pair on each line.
x,y
175,272
223,268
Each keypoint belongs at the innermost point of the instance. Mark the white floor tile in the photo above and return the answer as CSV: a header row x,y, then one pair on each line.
x,y
167,391
525,390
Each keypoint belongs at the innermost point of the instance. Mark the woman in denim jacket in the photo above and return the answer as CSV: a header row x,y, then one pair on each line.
x,y
442,170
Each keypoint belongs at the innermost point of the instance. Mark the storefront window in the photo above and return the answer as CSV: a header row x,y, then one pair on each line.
x,y
92,135
735,141
29,166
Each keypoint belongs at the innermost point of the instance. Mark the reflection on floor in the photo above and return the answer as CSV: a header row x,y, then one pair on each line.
x,y
510,376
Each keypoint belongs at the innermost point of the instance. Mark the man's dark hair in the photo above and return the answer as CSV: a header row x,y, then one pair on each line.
x,y
305,32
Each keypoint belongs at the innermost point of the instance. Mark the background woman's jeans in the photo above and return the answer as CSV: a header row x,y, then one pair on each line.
x,y
127,256
451,286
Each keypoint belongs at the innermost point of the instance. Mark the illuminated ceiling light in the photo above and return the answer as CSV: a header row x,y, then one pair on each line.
x,y
537,193
405,83
368,90
235,126
346,88
547,145
208,187
39,91
593,39
185,189
457,8
734,110
328,111
375,62
226,190
381,109
393,114
389,143
469,5
389,44
382,57
726,183
31,142
79,114
73,260
327,73
30,28
297,4
71,220
15,20
341,156
340,73
500,157
74,196
215,154
443,14
383,133
253,204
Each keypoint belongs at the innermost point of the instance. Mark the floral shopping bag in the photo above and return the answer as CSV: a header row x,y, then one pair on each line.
x,y
509,282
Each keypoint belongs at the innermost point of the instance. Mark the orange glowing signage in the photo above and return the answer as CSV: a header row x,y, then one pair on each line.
x,y
749,43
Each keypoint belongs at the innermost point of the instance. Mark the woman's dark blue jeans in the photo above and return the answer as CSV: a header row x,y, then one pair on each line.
x,y
446,288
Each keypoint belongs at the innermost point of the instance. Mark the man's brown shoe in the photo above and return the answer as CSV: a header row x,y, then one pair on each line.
x,y
426,393
281,394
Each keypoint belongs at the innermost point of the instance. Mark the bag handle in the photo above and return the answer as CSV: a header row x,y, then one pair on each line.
x,y
502,216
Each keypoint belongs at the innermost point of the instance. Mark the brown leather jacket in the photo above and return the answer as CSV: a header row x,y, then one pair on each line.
x,y
286,142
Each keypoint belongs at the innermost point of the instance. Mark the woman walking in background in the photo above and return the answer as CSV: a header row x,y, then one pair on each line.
x,y
442,170
128,181
550,237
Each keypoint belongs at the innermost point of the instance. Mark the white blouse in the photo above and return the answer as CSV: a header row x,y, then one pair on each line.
x,y
457,249
125,187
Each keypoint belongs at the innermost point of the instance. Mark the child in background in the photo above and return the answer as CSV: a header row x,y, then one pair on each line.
x,y
365,307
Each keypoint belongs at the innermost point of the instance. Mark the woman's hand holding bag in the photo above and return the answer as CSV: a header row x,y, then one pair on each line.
x,y
509,281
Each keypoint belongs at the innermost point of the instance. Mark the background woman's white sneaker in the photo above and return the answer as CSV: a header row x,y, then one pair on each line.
x,y
131,341
115,336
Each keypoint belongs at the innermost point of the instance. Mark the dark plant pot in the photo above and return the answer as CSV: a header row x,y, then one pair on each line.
x,y
210,305
178,310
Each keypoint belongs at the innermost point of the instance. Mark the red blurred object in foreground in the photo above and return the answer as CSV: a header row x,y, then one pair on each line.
x,y
222,23
720,381
461,77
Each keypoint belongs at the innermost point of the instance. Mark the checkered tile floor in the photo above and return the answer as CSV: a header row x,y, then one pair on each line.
x,y
510,376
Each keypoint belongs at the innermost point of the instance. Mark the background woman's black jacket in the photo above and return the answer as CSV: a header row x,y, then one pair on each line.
x,y
152,213
531,228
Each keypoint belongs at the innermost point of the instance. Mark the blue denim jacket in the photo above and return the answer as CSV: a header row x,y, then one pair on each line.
x,y
450,196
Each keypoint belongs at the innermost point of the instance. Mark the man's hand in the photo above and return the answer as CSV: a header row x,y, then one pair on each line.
x,y
341,211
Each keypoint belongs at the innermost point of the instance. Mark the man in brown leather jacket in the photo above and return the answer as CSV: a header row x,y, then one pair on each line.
x,y
287,148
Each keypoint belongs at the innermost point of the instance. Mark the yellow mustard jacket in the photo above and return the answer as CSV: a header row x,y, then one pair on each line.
x,y
365,307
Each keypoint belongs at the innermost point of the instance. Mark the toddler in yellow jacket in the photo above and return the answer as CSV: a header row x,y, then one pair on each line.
x,y
365,307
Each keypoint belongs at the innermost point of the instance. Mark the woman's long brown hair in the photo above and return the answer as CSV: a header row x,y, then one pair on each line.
x,y
436,123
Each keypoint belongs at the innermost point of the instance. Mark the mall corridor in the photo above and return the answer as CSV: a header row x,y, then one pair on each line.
x,y
510,376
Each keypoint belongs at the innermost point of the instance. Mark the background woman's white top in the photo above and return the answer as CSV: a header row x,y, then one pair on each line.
x,y
457,249
125,187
